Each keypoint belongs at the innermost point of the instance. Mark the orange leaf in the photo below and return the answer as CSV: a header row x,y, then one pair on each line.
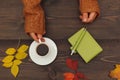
x,y
116,72
68,76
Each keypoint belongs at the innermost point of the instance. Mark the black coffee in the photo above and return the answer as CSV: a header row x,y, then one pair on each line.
x,y
42,49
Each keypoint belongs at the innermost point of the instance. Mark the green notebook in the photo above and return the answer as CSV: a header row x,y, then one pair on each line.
x,y
85,45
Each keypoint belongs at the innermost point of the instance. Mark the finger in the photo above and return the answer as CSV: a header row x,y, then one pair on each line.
x,y
80,17
33,35
40,37
92,17
85,17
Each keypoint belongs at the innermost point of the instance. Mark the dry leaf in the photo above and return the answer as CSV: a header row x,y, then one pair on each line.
x,y
116,72
68,76
8,59
22,48
21,55
117,66
10,51
14,70
14,60
17,62
7,65
72,64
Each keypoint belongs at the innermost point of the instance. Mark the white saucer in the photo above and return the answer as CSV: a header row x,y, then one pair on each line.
x,y
49,57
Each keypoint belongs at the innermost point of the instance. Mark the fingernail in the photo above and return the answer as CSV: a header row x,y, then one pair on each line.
x,y
84,20
39,41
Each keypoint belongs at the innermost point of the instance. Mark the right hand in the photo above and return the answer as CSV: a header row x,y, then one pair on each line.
x,y
88,17
36,37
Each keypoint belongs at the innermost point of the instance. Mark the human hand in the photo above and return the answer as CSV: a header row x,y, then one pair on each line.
x,y
88,17
36,37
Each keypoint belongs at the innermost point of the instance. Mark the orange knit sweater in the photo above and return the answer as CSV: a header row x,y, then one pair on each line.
x,y
34,14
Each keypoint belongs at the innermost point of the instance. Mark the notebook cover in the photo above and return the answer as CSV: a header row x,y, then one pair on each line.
x,y
87,48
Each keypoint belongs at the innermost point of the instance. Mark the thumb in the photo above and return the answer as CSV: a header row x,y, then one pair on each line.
x,y
40,37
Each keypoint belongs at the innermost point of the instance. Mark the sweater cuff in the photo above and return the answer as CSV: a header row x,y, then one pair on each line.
x,y
89,6
35,24
34,17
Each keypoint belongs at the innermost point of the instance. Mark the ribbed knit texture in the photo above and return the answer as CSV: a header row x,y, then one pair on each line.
x,y
34,14
34,17
89,6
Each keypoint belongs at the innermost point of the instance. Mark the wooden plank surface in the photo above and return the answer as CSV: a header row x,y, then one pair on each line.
x,y
61,19
61,22
97,69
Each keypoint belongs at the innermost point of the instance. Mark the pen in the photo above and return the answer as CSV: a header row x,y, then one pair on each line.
x,y
73,49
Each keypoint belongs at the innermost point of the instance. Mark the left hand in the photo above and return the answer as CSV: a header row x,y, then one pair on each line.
x,y
88,17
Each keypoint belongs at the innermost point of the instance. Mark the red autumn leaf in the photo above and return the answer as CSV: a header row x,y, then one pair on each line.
x,y
69,63
80,75
72,64
76,77
68,79
75,64
68,76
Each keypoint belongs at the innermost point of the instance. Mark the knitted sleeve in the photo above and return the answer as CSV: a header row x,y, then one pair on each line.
x,y
89,6
34,16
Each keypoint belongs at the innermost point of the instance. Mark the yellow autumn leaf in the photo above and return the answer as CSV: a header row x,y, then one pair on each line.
x,y
116,72
117,66
21,55
7,65
17,62
10,51
22,48
14,70
8,59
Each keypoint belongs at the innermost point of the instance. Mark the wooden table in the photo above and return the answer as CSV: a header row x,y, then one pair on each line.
x,y
61,22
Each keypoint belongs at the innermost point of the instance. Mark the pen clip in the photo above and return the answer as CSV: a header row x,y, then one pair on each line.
x,y
80,37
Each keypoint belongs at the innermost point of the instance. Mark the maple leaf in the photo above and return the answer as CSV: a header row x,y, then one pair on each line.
x,y
72,64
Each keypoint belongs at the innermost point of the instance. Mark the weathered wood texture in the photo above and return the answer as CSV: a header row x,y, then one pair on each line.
x,y
97,69
61,19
